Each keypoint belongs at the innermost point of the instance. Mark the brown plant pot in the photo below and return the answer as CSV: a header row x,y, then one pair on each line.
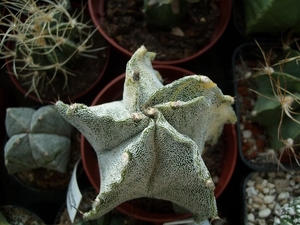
x,y
97,12
112,92
98,73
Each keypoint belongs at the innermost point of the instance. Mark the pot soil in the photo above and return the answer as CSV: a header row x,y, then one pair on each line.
x,y
253,140
45,179
220,163
17,215
122,24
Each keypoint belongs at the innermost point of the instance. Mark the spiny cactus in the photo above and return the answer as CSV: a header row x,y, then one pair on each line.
x,y
165,14
289,213
37,138
278,105
272,16
47,40
155,134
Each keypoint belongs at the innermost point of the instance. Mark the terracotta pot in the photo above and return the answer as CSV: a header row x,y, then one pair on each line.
x,y
97,11
34,97
112,92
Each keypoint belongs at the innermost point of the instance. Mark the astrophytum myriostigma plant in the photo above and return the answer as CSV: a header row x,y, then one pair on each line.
x,y
37,139
150,143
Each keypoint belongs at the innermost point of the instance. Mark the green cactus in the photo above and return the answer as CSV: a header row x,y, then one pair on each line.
x,y
155,134
289,213
3,220
37,138
48,40
278,104
272,16
165,14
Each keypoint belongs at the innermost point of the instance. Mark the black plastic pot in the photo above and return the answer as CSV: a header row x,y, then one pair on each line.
x,y
243,54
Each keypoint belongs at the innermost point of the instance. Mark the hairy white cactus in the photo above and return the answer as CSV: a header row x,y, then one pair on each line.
x,y
149,144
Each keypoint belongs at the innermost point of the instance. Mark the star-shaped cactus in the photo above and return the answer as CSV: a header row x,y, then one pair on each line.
x,y
149,144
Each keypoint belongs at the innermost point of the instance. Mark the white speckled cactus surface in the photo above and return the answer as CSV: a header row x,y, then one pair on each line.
x,y
37,139
149,144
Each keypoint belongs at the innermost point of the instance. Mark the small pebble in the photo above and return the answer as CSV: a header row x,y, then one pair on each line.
x,y
251,217
259,187
272,175
247,133
260,195
272,191
250,183
258,180
257,200
263,206
265,182
283,196
255,206
272,205
268,199
266,190
261,222
251,191
270,185
264,213
297,178
281,185
292,183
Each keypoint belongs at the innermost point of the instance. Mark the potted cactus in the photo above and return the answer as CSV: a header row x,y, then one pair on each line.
x,y
220,158
152,136
268,104
266,17
50,47
39,143
178,30
11,214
